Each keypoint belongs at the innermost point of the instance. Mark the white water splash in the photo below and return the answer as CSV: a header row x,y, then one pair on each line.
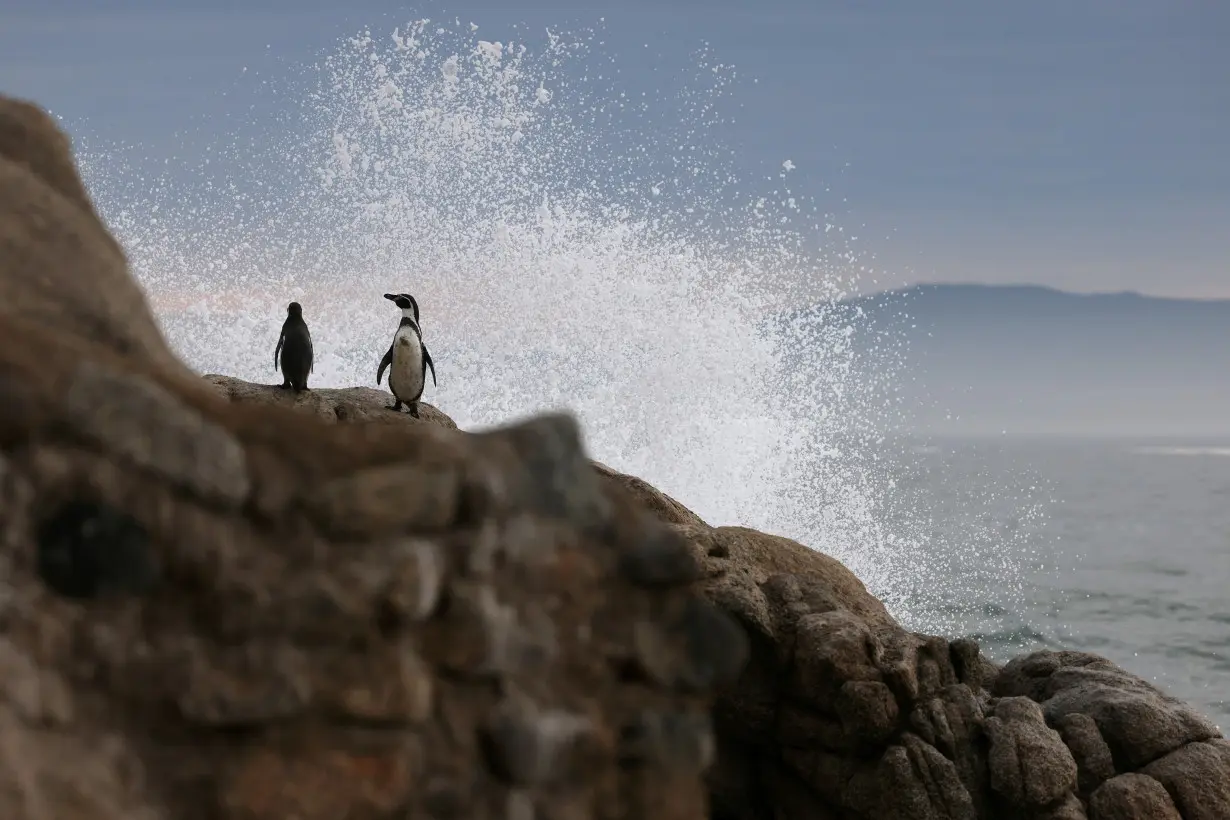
x,y
569,248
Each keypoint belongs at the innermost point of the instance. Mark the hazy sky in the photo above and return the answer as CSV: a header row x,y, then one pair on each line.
x,y
1076,143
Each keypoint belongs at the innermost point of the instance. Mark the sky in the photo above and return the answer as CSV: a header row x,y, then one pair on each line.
x,y
1081,144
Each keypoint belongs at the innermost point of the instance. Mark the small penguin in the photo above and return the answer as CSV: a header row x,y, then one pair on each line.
x,y
407,357
294,350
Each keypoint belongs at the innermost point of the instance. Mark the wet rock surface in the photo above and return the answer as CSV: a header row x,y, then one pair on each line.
x,y
223,600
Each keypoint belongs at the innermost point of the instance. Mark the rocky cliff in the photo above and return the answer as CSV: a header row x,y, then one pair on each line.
x,y
226,601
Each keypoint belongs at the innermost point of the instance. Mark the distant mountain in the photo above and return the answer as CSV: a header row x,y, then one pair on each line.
x,y
1034,360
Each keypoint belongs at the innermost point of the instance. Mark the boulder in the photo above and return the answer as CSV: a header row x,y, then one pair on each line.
x,y
1197,778
221,603
1094,762
1028,762
1138,722
1132,797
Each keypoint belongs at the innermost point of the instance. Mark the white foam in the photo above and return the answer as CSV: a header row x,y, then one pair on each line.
x,y
556,265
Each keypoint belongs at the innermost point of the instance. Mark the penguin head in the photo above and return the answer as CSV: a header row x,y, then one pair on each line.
x,y
294,309
406,302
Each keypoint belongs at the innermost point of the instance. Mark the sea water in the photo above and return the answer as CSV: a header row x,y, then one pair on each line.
x,y
1130,560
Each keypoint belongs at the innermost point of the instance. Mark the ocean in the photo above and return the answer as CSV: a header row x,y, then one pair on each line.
x,y
1126,553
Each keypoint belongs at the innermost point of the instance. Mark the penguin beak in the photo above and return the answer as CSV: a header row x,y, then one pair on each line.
x,y
392,297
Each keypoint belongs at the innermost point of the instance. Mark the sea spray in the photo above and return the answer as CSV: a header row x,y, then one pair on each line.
x,y
574,242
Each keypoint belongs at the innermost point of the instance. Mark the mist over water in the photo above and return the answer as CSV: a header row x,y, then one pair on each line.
x,y
574,243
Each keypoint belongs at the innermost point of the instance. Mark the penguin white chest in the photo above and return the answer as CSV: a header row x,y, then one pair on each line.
x,y
406,370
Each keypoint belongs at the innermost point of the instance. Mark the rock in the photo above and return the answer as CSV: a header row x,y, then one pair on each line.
x,y
1094,762
345,404
831,678
834,682
682,741
833,777
356,773
791,797
225,600
388,500
830,650
527,745
1197,777
967,663
1069,808
86,550
667,561
139,421
51,242
1029,764
1138,722
741,560
1132,797
915,782
416,582
693,649
661,505
868,712
556,480
100,783
953,722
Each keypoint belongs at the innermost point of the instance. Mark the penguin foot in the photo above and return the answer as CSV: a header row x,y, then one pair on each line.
x,y
284,386
395,406
414,410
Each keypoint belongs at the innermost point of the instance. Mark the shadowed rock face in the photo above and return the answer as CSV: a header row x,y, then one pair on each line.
x,y
223,600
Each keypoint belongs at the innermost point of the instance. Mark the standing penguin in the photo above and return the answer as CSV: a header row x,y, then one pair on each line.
x,y
294,350
407,356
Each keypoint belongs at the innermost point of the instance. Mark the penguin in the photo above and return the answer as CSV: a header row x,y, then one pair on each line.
x,y
407,357
294,350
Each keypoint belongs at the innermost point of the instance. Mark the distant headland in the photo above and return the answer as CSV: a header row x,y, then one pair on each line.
x,y
1033,360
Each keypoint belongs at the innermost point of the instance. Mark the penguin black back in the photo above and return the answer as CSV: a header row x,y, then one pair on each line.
x,y
294,351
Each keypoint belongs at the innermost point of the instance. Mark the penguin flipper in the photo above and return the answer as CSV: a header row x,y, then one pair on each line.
x,y
277,351
384,364
427,362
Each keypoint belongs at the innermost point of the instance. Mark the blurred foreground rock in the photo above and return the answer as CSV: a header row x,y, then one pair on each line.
x,y
220,602
219,608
